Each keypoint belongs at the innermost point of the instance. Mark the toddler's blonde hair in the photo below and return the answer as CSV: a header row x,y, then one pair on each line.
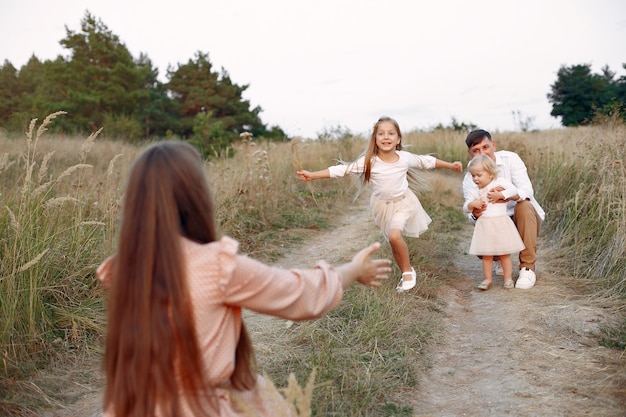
x,y
484,162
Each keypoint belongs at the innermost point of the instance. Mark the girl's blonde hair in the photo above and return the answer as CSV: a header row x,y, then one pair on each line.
x,y
372,149
484,162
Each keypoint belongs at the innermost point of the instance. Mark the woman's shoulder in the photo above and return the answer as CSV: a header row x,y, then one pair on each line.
x,y
217,259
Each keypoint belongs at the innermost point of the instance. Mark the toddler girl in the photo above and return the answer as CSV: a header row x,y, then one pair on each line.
x,y
495,233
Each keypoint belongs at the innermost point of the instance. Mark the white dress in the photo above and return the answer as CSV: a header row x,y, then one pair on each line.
x,y
494,232
393,204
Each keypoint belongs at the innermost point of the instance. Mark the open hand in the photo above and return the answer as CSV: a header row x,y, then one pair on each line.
x,y
372,271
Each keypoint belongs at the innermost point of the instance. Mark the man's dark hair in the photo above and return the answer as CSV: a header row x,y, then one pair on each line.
x,y
476,136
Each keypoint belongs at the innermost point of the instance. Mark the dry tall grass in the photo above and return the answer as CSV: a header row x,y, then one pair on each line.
x,y
60,199
54,223
261,202
58,215
580,178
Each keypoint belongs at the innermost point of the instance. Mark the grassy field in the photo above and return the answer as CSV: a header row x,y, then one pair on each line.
x,y
60,199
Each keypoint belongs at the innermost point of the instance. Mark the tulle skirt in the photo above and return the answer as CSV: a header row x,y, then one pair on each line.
x,y
495,236
405,213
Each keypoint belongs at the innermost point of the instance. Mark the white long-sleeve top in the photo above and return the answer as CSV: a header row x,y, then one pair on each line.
x,y
493,209
389,180
511,168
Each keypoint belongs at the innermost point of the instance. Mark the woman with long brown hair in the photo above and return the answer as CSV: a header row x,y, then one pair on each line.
x,y
176,344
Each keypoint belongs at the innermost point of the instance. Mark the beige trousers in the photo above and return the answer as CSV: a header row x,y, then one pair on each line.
x,y
528,225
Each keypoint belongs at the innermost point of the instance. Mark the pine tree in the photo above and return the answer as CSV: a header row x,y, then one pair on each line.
x,y
198,89
102,75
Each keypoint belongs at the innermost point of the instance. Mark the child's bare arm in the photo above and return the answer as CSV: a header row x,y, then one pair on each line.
x,y
454,166
313,175
497,194
475,205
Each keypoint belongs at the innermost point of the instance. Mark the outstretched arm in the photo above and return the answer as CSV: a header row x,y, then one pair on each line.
x,y
315,175
454,166
300,293
364,269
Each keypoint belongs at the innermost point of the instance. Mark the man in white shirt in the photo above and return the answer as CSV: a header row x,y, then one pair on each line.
x,y
526,213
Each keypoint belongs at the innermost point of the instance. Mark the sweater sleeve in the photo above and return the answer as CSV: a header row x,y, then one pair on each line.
x,y
294,294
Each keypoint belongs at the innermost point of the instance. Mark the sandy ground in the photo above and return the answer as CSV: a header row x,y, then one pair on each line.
x,y
500,352
521,352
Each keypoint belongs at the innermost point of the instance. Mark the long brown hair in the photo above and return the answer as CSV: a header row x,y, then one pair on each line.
x,y
372,148
152,353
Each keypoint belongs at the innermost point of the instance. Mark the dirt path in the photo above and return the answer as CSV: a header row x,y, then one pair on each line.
x,y
502,352
335,245
521,352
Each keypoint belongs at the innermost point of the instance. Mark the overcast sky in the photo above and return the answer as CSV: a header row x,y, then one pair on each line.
x,y
315,65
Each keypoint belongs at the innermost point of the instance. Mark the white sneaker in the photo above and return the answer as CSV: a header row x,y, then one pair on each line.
x,y
526,279
498,268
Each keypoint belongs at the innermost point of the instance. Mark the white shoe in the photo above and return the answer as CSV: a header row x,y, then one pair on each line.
x,y
407,285
498,268
526,279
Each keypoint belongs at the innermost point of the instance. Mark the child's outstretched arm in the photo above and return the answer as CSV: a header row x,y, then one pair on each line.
x,y
315,175
454,166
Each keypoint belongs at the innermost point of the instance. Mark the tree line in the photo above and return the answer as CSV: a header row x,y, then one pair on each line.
x,y
101,84
578,96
